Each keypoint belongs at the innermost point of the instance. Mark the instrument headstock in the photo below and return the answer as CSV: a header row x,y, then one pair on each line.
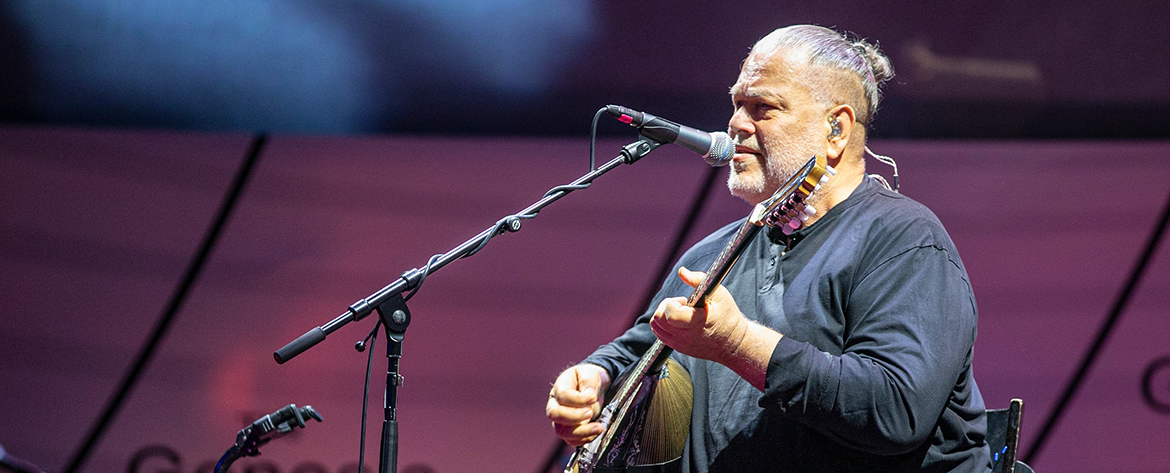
x,y
787,208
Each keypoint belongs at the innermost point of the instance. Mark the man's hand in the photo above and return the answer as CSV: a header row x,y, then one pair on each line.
x,y
711,332
716,331
574,400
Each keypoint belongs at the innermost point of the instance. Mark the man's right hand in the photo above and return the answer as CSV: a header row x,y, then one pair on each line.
x,y
574,400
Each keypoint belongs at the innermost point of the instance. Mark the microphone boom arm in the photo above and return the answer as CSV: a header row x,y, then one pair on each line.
x,y
411,279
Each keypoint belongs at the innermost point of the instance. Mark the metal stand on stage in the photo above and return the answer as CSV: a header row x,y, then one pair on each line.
x,y
390,301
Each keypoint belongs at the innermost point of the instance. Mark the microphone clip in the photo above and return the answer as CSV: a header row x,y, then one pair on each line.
x,y
632,152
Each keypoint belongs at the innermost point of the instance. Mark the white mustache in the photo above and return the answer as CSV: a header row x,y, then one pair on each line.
x,y
749,142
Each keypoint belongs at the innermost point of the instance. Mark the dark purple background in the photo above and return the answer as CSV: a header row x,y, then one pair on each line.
x,y
97,226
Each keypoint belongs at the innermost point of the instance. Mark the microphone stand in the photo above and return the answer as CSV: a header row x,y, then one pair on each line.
x,y
395,317
390,303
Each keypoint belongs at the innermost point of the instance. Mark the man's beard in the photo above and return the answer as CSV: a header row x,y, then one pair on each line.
x,y
782,160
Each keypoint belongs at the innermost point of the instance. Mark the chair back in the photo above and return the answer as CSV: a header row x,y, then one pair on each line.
x,y
1003,438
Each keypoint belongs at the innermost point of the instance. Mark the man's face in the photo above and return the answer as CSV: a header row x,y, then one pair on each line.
x,y
777,124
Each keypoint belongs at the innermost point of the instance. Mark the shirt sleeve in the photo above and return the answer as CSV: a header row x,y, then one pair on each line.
x,y
910,326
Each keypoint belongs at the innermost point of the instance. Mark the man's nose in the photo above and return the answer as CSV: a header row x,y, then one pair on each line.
x,y
740,124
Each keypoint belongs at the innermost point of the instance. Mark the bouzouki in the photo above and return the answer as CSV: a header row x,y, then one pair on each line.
x,y
649,406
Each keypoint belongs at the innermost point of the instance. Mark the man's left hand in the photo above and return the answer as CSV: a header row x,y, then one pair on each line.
x,y
712,331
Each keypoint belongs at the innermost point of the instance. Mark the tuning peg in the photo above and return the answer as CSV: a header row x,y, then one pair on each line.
x,y
787,230
810,210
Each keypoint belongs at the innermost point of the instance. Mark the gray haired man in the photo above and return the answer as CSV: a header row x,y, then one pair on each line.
x,y
843,346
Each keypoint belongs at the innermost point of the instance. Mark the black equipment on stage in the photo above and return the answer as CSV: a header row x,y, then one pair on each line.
x,y
265,429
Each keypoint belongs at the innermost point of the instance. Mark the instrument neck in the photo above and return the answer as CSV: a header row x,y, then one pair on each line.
x,y
656,355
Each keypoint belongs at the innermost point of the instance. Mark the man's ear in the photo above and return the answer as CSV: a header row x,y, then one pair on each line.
x,y
841,121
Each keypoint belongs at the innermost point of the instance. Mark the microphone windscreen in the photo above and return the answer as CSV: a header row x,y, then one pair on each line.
x,y
722,149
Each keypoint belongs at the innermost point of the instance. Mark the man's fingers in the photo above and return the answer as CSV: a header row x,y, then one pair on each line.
x,y
574,401
574,389
562,414
572,423
588,382
675,313
578,435
572,398
691,278
661,329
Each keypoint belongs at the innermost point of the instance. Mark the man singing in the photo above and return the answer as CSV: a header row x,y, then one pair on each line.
x,y
845,346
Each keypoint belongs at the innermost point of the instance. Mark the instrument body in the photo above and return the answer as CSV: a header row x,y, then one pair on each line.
x,y
647,394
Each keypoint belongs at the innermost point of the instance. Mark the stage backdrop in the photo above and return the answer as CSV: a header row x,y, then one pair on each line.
x,y
98,226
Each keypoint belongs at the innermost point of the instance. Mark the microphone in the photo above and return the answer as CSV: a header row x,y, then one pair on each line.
x,y
716,147
281,422
264,430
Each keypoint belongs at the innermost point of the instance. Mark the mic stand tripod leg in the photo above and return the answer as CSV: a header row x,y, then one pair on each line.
x,y
395,317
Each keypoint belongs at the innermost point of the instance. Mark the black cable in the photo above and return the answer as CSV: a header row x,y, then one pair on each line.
x,y
1103,334
422,276
366,395
173,305
225,462
593,137
698,204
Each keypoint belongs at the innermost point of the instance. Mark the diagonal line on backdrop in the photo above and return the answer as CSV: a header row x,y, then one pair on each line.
x,y
1119,304
173,305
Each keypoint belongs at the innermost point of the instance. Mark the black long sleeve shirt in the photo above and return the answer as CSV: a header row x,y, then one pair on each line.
x,y
873,372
